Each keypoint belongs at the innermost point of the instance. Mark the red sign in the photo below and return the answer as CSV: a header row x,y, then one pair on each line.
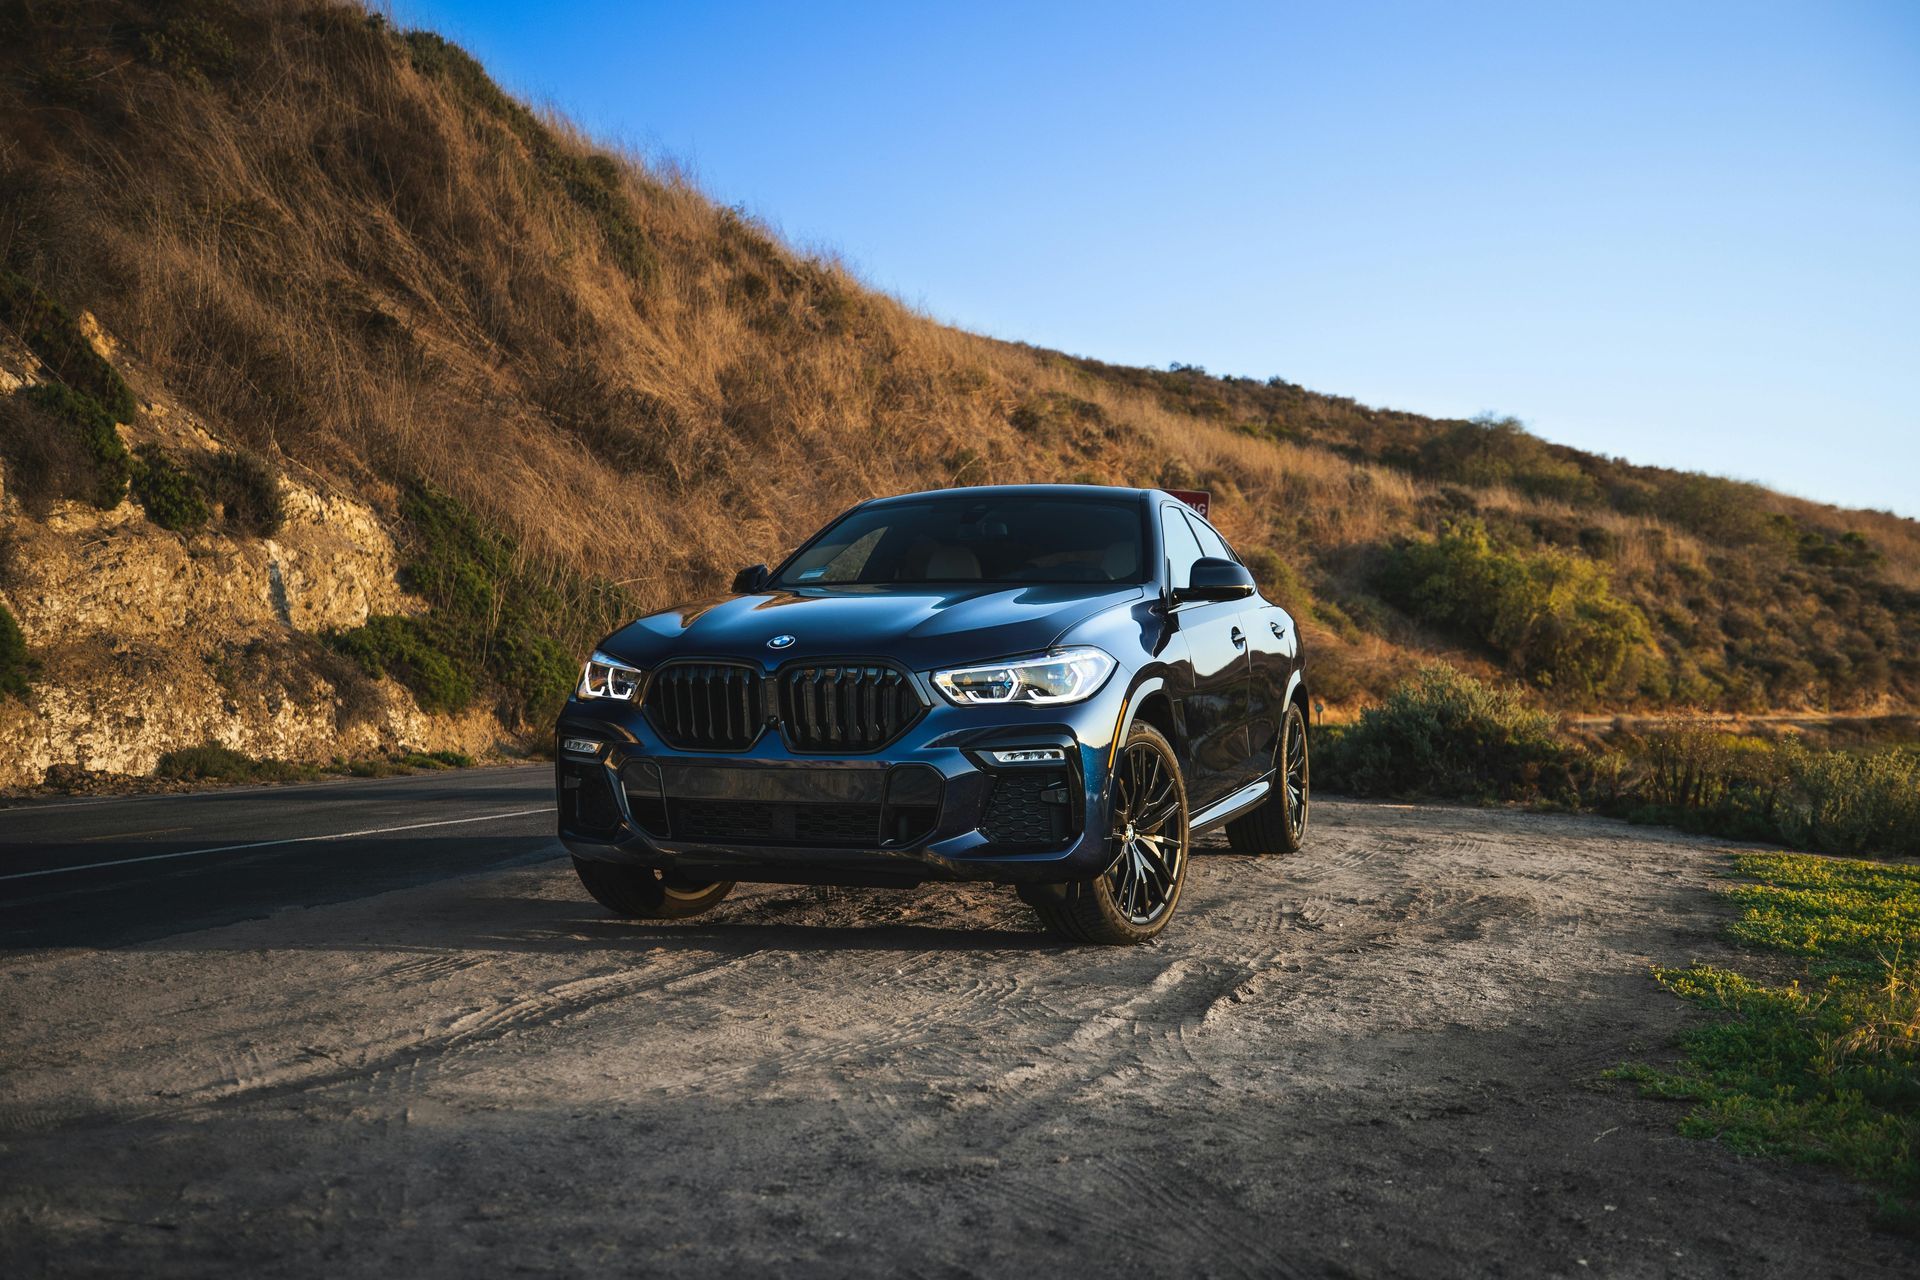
x,y
1195,498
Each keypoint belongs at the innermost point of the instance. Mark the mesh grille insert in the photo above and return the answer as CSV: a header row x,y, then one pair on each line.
x,y
827,826
1029,810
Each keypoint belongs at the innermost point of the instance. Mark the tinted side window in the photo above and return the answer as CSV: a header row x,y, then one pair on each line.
x,y
1182,548
1211,543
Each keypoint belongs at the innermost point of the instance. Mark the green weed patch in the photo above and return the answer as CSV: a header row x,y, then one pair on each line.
x,y
211,762
1828,1071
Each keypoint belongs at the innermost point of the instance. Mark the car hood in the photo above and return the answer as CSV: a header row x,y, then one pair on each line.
x,y
919,627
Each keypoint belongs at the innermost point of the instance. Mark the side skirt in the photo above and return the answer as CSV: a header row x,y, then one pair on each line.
x,y
1221,811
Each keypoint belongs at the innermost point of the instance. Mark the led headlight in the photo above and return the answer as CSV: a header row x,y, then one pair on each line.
x,y
1066,675
608,677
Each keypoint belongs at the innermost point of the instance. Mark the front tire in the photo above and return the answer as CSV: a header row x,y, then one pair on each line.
x,y
1132,900
641,893
1279,825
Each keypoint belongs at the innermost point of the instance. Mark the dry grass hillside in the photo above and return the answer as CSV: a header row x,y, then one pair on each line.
x,y
568,387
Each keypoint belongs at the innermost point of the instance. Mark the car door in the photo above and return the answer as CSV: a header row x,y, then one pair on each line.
x,y
1213,692
1258,640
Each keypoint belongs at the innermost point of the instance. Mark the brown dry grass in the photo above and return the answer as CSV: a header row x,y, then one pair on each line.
x,y
341,253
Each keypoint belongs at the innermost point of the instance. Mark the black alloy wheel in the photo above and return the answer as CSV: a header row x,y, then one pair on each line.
x,y
641,893
1132,900
1279,825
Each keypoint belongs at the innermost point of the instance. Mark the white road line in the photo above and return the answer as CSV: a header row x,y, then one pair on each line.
x,y
243,789
266,844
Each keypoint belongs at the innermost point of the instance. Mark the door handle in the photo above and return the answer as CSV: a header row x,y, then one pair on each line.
x,y
1239,638
1279,632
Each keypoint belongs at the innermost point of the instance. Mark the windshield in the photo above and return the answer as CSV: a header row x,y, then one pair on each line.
x,y
967,539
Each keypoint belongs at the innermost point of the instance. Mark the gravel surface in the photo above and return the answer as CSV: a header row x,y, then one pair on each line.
x,y
1377,1057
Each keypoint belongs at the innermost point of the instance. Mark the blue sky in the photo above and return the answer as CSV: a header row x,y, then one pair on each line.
x,y
1686,234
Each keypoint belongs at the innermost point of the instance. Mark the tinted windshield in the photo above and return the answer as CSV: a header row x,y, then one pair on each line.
x,y
962,539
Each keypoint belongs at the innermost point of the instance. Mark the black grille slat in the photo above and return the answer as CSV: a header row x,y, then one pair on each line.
x,y
705,706
845,707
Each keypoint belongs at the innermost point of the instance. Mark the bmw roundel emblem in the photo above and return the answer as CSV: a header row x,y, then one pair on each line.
x,y
779,642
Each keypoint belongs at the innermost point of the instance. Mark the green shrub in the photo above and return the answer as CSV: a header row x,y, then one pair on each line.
x,y
1726,511
1551,614
248,492
51,333
189,46
494,620
212,762
16,668
1500,451
47,460
1785,792
405,648
173,496
1279,581
1443,733
437,760
108,466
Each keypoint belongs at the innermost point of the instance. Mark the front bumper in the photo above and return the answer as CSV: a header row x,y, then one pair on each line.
x,y
932,805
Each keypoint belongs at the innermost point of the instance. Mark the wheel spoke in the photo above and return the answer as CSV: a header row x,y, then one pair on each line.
x,y
1152,823
1156,864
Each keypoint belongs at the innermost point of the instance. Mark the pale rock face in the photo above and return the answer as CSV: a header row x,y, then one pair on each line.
x,y
140,631
85,572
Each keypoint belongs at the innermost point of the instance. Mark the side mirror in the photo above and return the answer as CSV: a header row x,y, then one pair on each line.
x,y
750,579
1215,579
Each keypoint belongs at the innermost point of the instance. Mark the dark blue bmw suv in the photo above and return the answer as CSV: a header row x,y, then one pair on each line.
x,y
1054,687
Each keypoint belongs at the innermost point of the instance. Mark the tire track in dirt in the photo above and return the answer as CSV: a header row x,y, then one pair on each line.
x,y
376,1068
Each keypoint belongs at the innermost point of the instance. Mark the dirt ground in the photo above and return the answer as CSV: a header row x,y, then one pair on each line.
x,y
1378,1057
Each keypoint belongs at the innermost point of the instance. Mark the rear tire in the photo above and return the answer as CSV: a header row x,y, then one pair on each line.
x,y
641,893
1134,897
1279,825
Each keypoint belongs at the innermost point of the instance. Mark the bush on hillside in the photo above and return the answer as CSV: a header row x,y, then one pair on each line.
x,y
1551,614
1279,581
192,46
211,762
248,492
494,619
87,431
1834,801
47,460
172,495
407,649
1445,734
1488,452
52,334
61,441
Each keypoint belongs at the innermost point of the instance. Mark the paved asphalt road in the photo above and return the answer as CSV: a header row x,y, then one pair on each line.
x,y
107,872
